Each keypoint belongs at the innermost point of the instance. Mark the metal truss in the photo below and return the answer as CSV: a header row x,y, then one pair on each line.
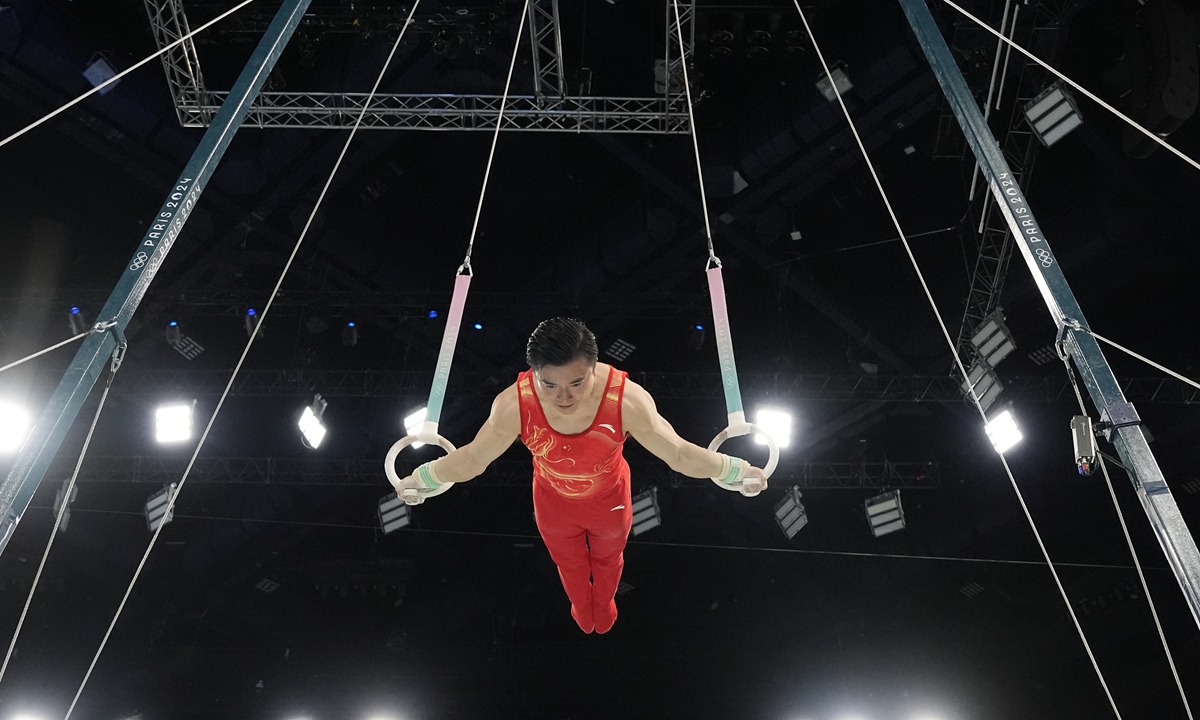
x,y
1020,147
181,64
550,110
504,472
546,39
676,56
662,385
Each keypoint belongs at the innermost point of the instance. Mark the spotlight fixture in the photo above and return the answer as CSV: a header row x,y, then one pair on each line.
x,y
14,427
1053,114
59,498
182,344
76,321
646,515
350,334
432,314
173,422
156,508
312,430
619,350
841,81
478,326
696,337
1043,355
253,324
983,378
885,513
790,514
393,513
412,423
1002,430
992,340
777,424
99,71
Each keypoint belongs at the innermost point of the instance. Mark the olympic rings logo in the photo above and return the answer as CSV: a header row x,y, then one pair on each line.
x,y
1044,257
138,261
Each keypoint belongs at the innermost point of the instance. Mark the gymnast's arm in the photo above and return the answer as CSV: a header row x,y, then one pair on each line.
x,y
640,418
503,426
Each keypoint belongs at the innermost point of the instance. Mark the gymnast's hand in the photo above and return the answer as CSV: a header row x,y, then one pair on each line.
x,y
754,482
409,490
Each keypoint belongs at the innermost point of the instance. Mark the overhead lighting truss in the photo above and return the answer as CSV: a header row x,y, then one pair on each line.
x,y
549,110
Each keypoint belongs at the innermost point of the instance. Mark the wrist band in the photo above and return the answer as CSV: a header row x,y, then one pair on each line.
x,y
427,477
733,469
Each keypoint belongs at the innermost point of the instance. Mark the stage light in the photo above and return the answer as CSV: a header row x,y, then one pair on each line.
x,y
620,349
393,513
477,326
98,72
1052,114
992,340
699,327
983,379
646,515
350,334
76,321
1002,430
14,427
841,81
777,424
182,344
790,514
253,325
885,513
696,337
173,422
412,424
433,314
312,430
156,508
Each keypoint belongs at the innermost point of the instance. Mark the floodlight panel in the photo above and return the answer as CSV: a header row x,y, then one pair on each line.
x,y
890,503
777,424
649,523
1002,430
14,426
173,423
311,428
879,519
412,423
1062,129
888,528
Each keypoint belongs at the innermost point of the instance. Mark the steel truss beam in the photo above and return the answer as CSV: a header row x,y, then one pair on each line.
x,y
939,389
1020,147
545,36
503,472
545,111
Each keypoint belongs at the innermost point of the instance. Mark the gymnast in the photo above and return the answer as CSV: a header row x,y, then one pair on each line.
x,y
573,413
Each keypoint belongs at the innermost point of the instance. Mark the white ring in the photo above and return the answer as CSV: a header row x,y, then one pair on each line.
x,y
389,464
768,469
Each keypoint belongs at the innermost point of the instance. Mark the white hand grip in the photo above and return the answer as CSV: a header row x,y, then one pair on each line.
x,y
772,460
389,466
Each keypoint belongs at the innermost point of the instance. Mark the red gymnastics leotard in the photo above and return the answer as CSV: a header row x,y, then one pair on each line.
x,y
581,499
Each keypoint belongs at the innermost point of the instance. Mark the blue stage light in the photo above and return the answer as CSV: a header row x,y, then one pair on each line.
x,y
251,312
350,324
478,326
74,311
432,314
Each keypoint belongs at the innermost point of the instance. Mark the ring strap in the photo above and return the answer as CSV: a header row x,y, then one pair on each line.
x,y
441,375
733,392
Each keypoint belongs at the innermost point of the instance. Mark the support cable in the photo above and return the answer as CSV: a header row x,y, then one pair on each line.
x,y
118,356
1129,541
1077,326
687,88
39,353
246,351
1076,85
958,360
123,73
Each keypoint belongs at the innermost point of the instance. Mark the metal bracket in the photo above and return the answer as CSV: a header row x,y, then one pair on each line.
x,y
1117,415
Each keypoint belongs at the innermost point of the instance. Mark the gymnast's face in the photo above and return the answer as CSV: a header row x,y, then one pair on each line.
x,y
567,386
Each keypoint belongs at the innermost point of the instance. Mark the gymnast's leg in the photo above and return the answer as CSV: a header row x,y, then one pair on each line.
x,y
607,534
567,542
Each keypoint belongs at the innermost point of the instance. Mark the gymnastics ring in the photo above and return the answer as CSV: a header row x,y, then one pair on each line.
x,y
389,467
746,429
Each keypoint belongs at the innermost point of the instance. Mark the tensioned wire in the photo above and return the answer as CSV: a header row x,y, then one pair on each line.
x,y
958,360
1129,541
250,343
1127,351
118,355
123,73
1075,85
687,88
53,347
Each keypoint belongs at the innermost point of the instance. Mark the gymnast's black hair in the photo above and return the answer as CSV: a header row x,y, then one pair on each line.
x,y
559,341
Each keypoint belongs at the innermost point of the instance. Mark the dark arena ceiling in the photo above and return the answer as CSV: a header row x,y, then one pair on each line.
x,y
274,595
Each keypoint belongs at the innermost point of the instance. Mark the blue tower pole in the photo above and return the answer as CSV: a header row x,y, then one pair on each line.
x,y
43,442
1123,426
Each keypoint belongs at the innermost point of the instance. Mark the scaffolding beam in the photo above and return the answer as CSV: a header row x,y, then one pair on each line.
x,y
1126,432
545,35
43,443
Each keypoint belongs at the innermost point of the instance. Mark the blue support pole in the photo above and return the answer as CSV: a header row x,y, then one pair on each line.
x,y
17,489
1124,427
